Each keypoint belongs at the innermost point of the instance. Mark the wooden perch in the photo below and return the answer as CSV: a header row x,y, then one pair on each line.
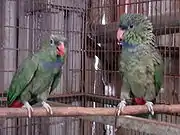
x,y
96,115
130,122
87,111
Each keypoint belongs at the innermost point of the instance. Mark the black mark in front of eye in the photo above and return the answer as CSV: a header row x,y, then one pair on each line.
x,y
123,27
51,41
131,26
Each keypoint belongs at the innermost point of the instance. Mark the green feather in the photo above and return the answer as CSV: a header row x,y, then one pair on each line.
x,y
158,77
22,78
56,81
141,64
38,74
33,79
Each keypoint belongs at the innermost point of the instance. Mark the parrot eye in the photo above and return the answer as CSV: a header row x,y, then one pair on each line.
x,y
131,26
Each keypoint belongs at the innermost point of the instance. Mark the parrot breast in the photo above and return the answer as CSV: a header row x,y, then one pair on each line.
x,y
52,65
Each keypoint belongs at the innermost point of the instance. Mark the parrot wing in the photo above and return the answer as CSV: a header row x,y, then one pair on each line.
x,y
55,81
158,72
54,84
22,78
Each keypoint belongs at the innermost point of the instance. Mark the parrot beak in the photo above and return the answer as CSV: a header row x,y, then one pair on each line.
x,y
60,50
120,33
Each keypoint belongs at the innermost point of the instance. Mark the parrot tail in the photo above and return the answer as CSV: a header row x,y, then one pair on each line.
x,y
141,101
16,104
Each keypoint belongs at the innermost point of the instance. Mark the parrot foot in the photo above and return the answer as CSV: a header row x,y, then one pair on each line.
x,y
47,107
161,90
150,107
121,106
28,107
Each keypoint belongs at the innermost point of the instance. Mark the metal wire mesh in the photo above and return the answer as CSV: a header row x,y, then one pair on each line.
x,y
90,75
101,42
25,24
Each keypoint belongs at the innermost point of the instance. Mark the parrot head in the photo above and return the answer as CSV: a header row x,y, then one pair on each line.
x,y
60,43
134,29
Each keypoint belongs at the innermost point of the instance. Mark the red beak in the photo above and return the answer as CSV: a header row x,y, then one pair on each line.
x,y
120,33
60,50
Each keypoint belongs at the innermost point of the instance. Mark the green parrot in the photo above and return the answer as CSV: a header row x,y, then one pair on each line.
x,y
38,75
141,65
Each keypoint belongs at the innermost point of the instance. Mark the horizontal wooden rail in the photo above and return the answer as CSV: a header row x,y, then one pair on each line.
x,y
87,111
105,116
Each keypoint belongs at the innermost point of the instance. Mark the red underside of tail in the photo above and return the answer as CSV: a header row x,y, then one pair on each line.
x,y
139,101
16,104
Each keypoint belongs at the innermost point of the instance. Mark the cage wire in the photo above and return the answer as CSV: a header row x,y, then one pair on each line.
x,y
90,75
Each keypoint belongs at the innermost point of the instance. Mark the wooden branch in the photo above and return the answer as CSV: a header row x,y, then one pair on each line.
x,y
130,122
87,111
